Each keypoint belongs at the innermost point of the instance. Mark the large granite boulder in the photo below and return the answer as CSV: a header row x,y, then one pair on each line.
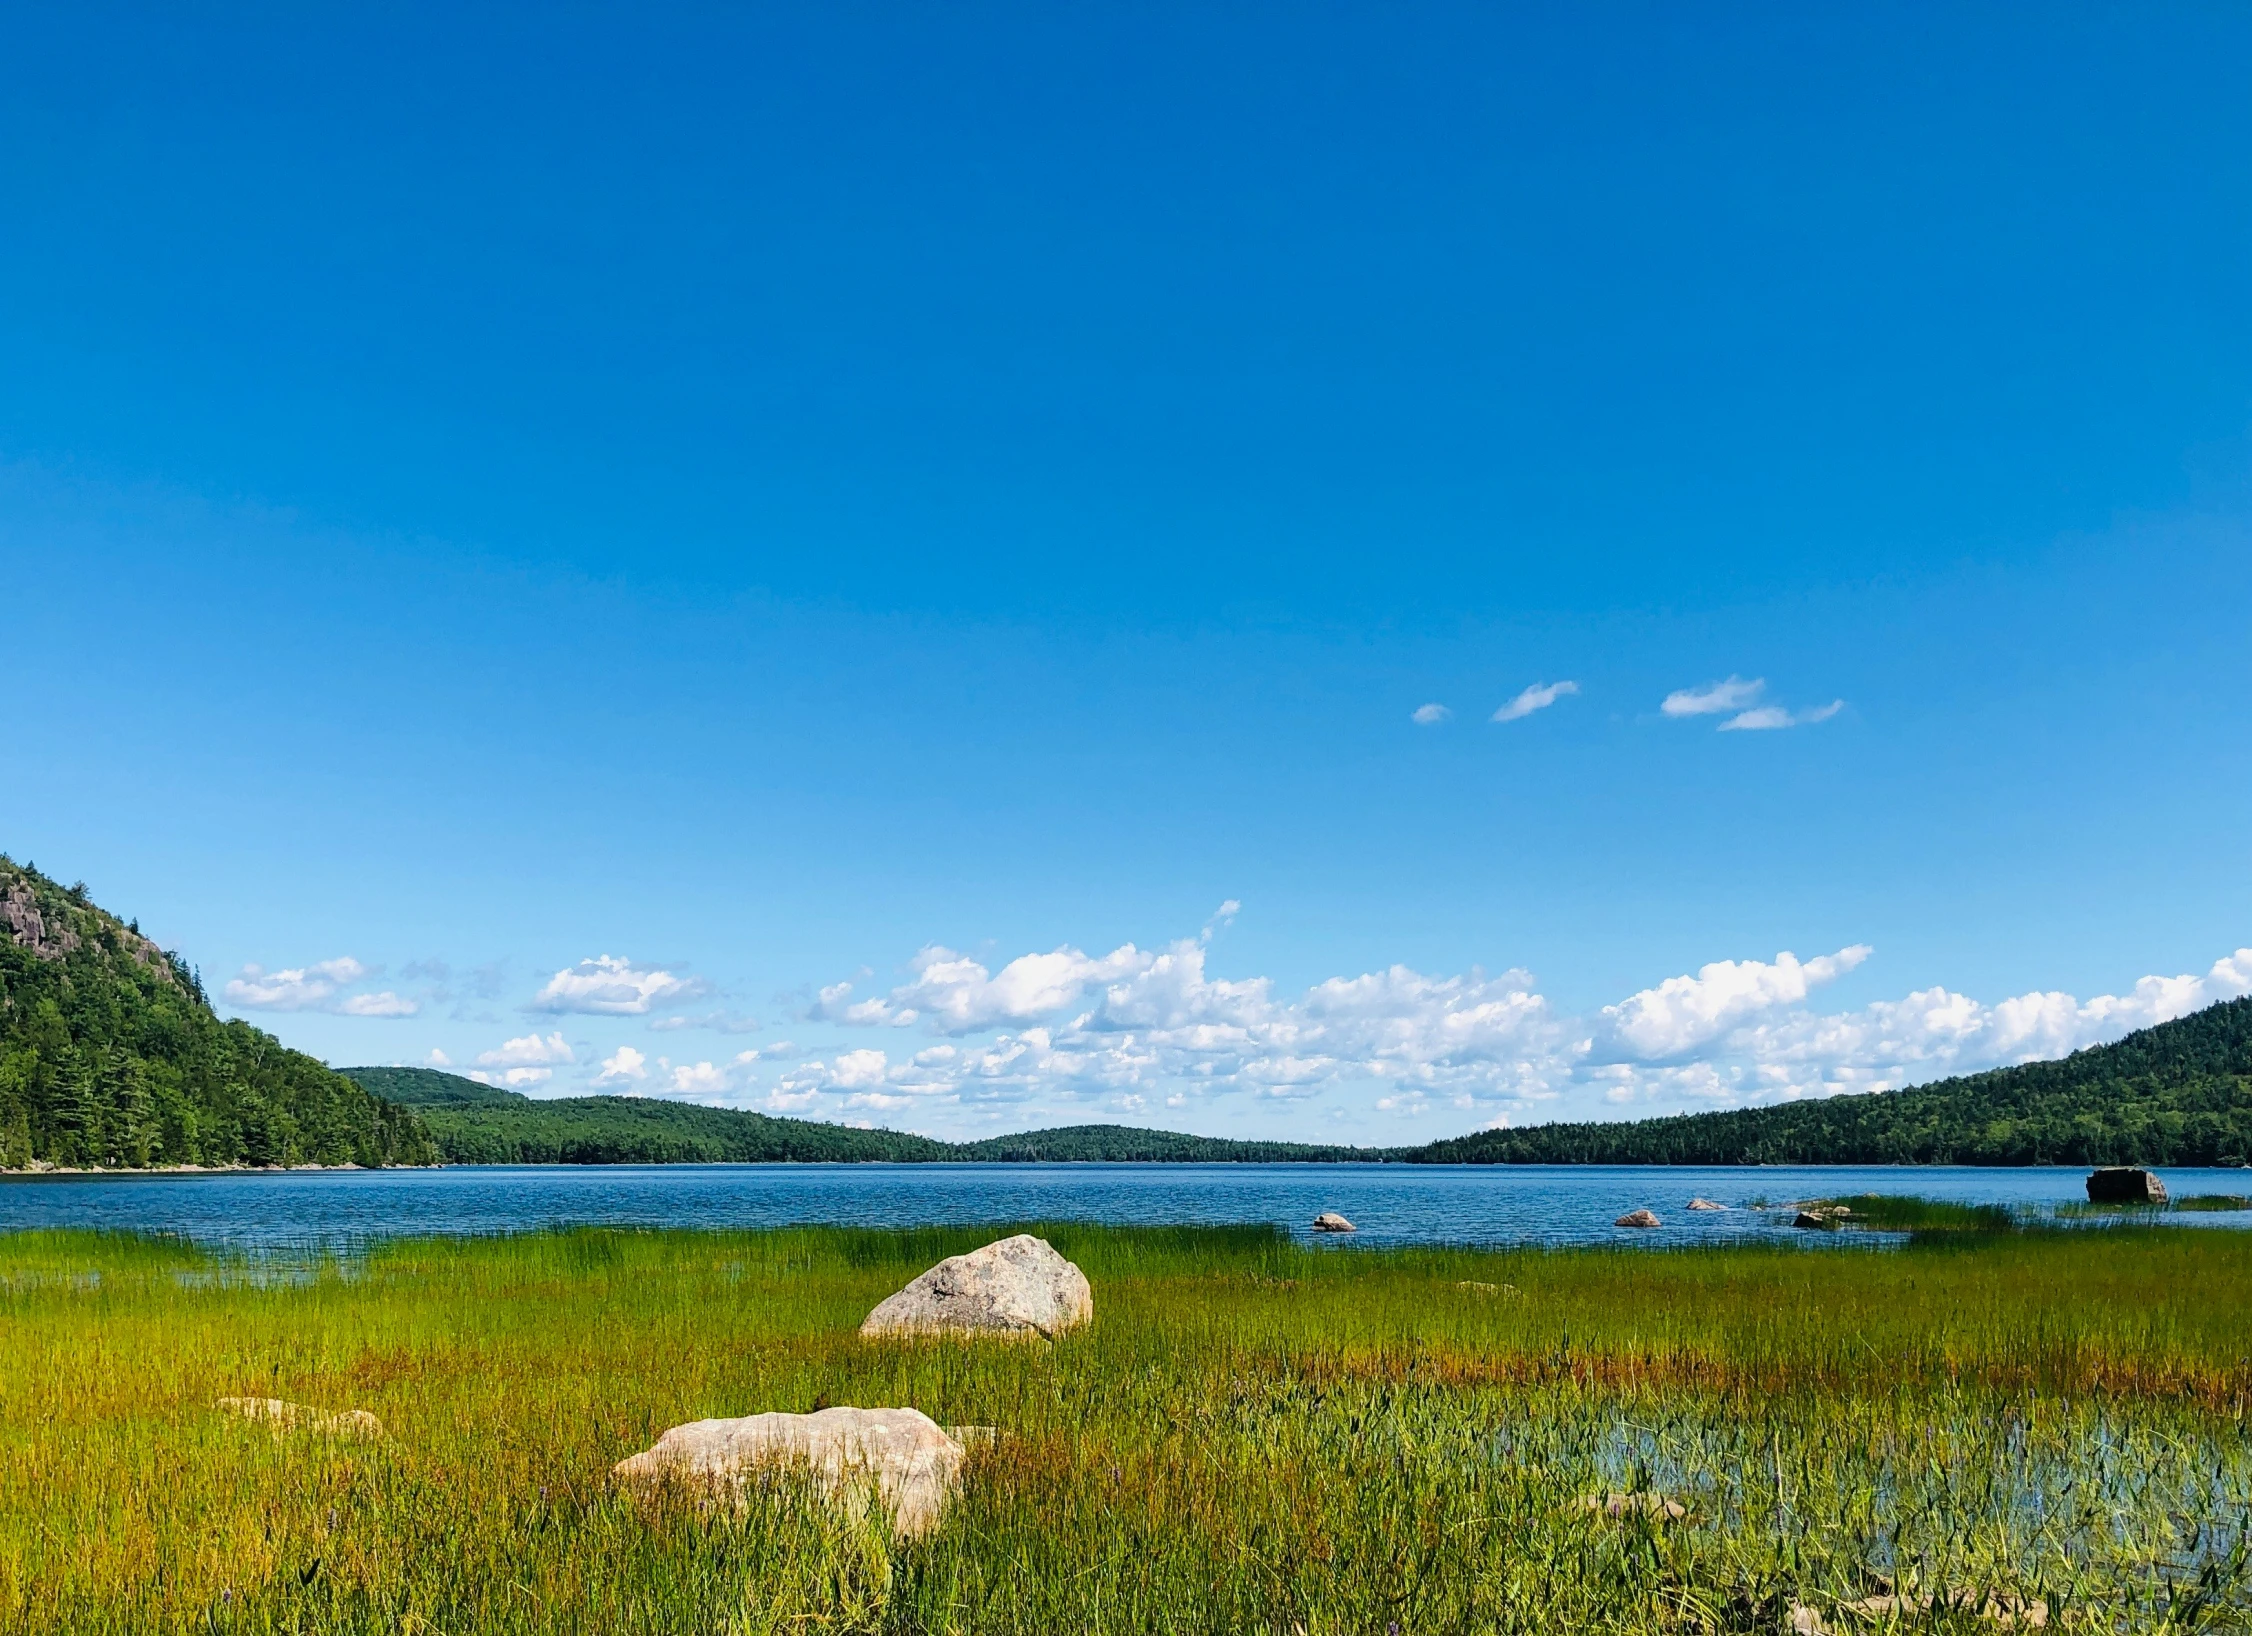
x,y
1639,1218
1015,1286
899,1457
1329,1221
2122,1184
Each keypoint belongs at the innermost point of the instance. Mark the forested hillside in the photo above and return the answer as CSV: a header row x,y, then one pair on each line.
x,y
111,1056
2176,1094
1128,1143
481,1124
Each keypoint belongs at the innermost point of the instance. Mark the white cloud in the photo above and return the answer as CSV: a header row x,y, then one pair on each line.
x,y
528,1051
698,1079
1770,716
1057,1035
719,1022
608,986
858,1070
437,1059
1684,1012
316,987
623,1064
1539,696
1430,715
1713,698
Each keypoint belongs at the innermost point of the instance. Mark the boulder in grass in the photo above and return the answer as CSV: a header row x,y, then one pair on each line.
x,y
1639,1218
898,1457
1329,1221
1705,1204
354,1425
1654,1506
2124,1184
1014,1286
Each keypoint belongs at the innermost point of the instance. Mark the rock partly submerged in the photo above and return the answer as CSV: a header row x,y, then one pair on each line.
x,y
1014,1286
900,1458
353,1425
2125,1184
1639,1218
1705,1204
1329,1221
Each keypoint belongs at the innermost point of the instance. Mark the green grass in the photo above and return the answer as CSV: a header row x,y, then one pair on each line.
x,y
1254,1436
1904,1213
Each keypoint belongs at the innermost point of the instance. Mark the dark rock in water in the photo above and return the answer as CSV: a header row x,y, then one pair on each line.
x,y
1639,1218
1812,1218
2122,1184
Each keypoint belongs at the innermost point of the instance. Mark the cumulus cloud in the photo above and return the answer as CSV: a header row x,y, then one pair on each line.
x,y
608,986
1539,696
1682,1013
317,987
1430,715
1713,698
1136,1027
623,1065
530,1051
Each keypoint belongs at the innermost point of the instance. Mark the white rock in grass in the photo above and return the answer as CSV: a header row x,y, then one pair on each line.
x,y
1015,1286
355,1424
902,1454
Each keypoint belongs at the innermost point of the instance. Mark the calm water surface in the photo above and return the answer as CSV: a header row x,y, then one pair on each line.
x,y
1391,1204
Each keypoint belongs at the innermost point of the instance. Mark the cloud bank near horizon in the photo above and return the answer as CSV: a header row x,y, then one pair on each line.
x,y
1136,1031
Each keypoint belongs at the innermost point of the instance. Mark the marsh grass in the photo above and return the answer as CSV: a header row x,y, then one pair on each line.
x,y
1907,1213
1254,1436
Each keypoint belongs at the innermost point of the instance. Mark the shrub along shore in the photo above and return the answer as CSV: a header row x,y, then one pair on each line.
x,y
1254,1435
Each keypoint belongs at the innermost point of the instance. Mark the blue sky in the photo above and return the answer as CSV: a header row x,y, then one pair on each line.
x,y
549,538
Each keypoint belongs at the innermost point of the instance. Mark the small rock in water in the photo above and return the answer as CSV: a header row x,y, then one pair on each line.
x,y
355,1424
1705,1204
1639,1218
1329,1221
912,1465
1014,1286
2124,1184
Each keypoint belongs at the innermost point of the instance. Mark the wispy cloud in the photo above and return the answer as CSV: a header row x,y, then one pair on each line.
x,y
1539,696
718,1022
318,987
1768,717
1714,697
608,986
1430,715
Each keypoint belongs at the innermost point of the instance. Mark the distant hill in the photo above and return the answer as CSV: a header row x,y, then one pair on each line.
x,y
110,1056
2176,1094
484,1125
1128,1143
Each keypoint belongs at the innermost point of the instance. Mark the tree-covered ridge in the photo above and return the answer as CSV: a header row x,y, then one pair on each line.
x,y
110,1056
482,1124
2176,1094
1130,1144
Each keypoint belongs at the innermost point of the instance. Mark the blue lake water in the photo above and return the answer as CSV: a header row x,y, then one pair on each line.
x,y
1390,1204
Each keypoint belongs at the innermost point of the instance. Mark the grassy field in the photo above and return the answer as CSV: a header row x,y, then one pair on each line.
x,y
1254,1436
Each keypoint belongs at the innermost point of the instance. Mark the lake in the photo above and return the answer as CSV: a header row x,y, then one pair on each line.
x,y
1391,1204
